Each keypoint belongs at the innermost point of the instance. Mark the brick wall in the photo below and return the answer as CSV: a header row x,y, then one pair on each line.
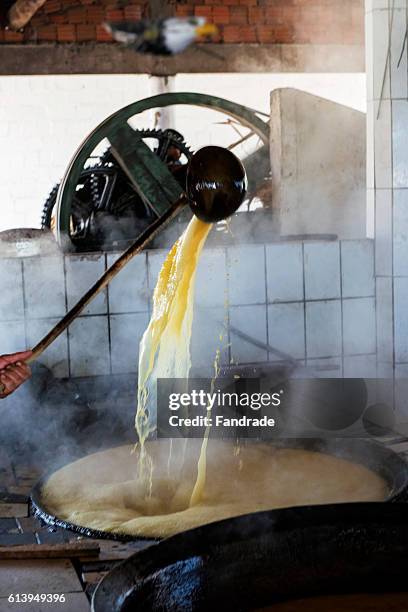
x,y
239,21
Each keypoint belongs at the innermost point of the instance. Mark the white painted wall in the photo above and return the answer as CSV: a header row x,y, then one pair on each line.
x,y
318,165
43,120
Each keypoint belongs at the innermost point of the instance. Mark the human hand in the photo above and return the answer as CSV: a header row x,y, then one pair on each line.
x,y
13,372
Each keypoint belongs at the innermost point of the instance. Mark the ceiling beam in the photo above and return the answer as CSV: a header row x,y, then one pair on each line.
x,y
115,59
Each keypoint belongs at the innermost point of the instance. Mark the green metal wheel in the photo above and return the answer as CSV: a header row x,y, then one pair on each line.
x,y
149,175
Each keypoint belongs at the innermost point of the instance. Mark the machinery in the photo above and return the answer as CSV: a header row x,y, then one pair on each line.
x,y
107,200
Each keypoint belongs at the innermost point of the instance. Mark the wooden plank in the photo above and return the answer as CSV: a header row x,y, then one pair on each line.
x,y
50,551
149,175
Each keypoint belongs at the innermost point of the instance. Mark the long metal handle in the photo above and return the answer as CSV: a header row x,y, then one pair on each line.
x,y
106,278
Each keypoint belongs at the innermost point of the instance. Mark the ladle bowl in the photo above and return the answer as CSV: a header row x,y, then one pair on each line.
x,y
216,183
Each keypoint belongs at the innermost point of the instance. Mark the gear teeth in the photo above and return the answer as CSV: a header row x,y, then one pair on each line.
x,y
48,207
103,162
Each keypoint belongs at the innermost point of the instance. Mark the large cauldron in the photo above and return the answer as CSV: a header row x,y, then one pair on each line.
x,y
260,559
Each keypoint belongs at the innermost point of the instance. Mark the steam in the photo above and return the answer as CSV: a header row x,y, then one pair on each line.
x,y
50,422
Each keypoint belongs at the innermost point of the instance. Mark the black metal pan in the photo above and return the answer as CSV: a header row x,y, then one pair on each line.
x,y
383,461
260,559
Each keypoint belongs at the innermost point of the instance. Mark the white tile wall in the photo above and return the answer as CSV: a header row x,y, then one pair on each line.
x,y
81,273
400,232
322,270
284,272
357,268
211,283
384,4
286,330
128,291
370,221
331,367
55,356
385,370
370,161
401,319
252,321
399,80
44,286
11,294
126,332
360,366
208,336
383,145
401,371
400,142
89,346
12,335
323,329
384,311
359,336
283,319
387,30
380,22
246,275
383,232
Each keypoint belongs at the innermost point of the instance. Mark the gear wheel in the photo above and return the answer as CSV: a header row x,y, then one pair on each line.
x,y
106,206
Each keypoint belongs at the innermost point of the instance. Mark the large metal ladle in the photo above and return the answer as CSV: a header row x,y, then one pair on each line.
x,y
216,186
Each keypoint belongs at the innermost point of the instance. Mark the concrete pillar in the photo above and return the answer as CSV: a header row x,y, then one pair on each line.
x,y
163,118
387,177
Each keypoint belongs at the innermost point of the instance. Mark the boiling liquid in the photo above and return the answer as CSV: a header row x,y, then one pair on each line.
x,y
103,491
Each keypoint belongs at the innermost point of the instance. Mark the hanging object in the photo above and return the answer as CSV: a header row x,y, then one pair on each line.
x,y
161,36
